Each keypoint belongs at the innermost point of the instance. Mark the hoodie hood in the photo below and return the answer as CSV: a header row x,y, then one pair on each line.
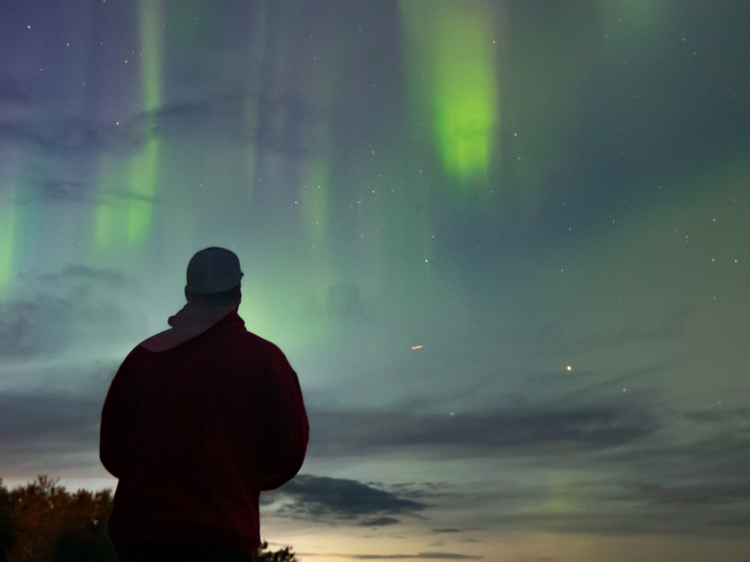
x,y
197,317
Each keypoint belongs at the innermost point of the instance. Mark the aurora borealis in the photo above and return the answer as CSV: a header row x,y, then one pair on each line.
x,y
503,243
452,72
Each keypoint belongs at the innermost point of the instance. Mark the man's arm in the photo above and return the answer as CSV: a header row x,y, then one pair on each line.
x,y
286,429
117,417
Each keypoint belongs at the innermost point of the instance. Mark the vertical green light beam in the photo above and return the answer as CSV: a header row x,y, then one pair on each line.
x,y
145,166
451,71
7,223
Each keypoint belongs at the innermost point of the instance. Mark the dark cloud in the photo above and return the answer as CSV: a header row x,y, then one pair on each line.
x,y
47,432
63,191
655,325
692,494
542,428
271,121
60,191
322,498
719,415
71,274
281,123
74,135
676,488
32,419
380,522
625,519
54,311
721,458
679,504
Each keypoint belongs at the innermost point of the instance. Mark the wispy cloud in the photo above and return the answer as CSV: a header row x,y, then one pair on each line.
x,y
540,427
275,122
56,310
79,191
73,135
47,432
326,499
692,494
721,415
379,522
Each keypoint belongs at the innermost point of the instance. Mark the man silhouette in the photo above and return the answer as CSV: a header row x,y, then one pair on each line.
x,y
198,420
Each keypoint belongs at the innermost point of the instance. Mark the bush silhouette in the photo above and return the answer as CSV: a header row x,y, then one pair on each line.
x,y
42,522
7,536
283,555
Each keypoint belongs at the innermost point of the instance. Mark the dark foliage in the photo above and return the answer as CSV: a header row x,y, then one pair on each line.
x,y
7,535
283,555
42,522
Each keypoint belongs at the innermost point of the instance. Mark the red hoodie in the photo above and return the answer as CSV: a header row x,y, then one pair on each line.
x,y
195,432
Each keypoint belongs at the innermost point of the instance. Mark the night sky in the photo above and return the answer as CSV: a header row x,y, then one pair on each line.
x,y
504,244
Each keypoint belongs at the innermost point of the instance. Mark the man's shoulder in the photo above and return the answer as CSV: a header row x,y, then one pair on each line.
x,y
260,346
160,342
168,339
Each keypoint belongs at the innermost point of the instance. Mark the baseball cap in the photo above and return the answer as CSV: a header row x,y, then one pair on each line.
x,y
213,270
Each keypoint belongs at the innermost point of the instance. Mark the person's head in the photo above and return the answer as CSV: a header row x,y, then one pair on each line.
x,y
213,277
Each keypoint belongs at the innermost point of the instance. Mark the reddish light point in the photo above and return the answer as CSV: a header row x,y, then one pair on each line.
x,y
417,347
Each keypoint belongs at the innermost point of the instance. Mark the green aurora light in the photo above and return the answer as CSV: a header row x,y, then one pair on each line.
x,y
451,63
7,220
146,165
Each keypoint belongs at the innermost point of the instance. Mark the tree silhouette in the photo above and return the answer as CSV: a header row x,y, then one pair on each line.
x,y
283,555
7,535
42,522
